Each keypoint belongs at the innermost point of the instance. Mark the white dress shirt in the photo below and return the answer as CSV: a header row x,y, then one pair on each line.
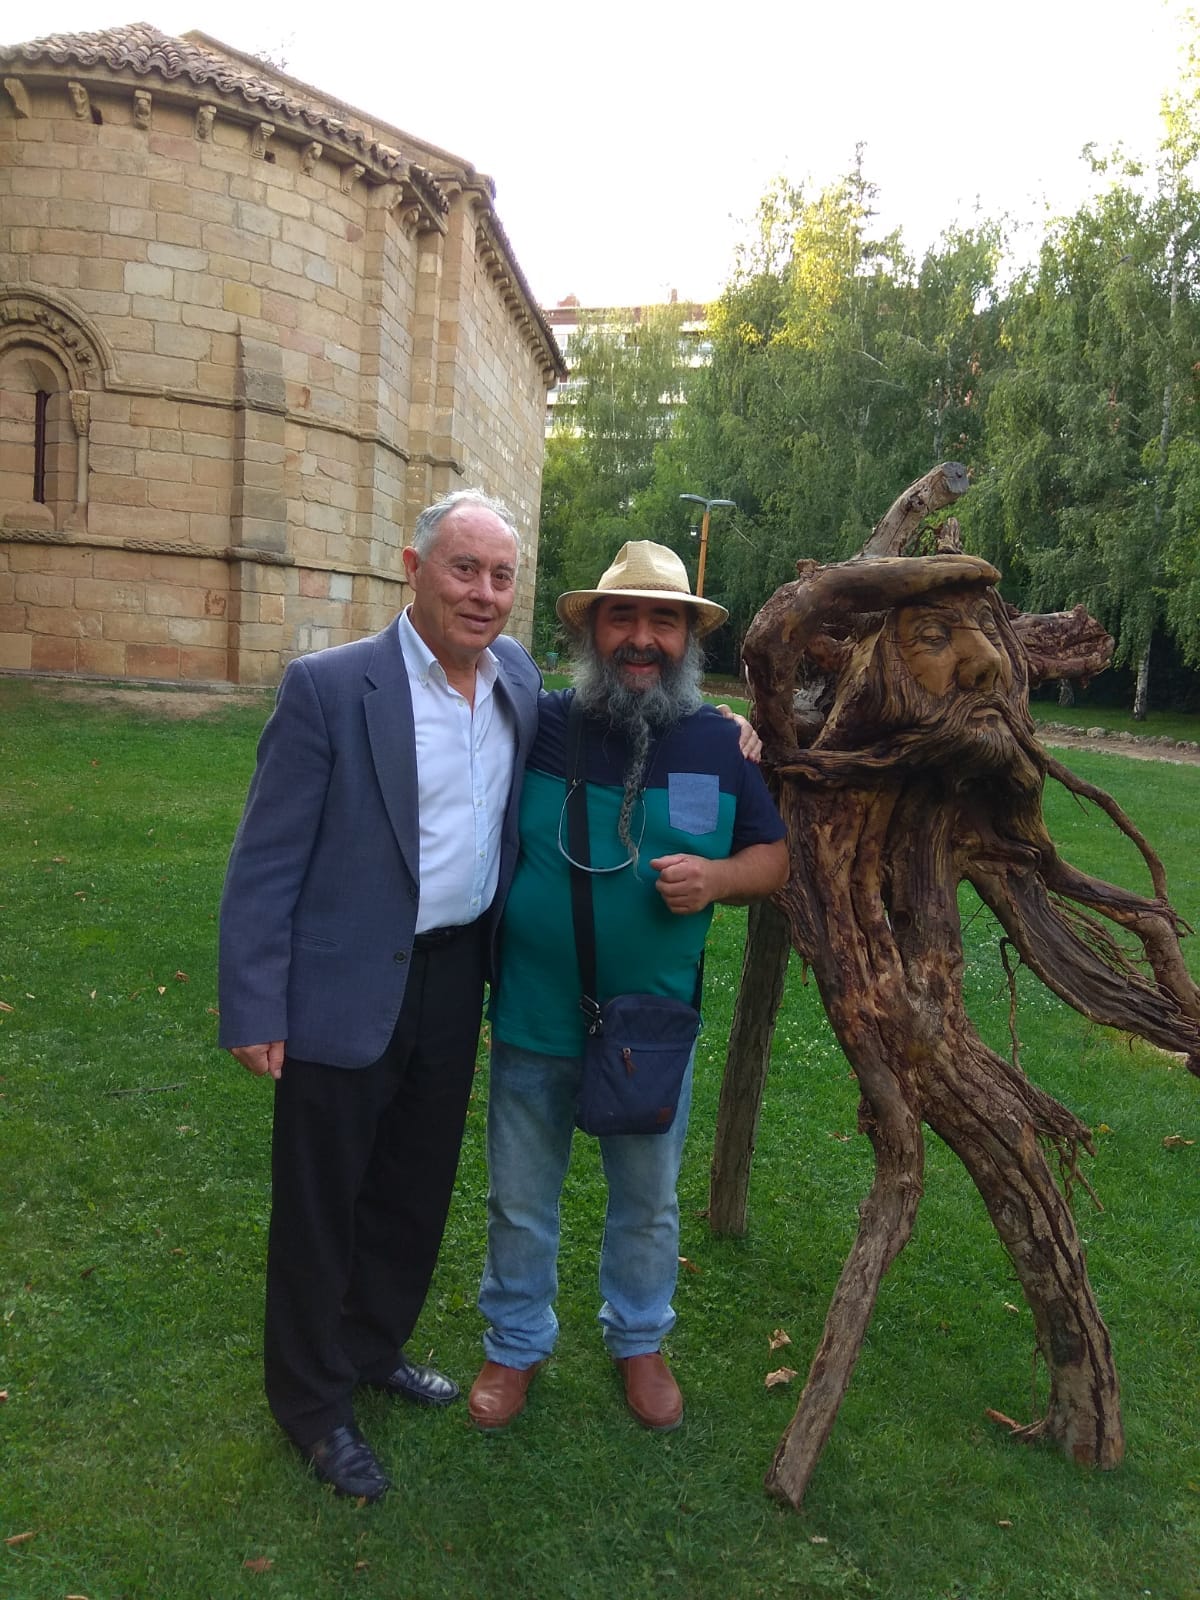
x,y
465,762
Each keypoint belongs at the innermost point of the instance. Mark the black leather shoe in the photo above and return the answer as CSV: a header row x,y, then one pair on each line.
x,y
345,1459
423,1385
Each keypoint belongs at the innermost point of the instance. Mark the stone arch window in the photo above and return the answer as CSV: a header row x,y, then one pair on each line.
x,y
38,441
50,361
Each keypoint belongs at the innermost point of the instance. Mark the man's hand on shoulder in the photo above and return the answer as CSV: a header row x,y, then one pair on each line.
x,y
263,1060
748,741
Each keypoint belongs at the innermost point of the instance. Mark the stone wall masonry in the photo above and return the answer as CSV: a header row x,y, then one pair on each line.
x,y
282,358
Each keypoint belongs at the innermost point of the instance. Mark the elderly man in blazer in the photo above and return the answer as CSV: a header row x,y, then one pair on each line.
x,y
377,843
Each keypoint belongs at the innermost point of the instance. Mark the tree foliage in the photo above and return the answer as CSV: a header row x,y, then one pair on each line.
x,y
628,380
838,369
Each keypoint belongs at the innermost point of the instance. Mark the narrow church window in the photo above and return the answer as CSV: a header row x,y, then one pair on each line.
x,y
41,404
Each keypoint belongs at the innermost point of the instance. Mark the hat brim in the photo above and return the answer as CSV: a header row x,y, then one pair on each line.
x,y
573,607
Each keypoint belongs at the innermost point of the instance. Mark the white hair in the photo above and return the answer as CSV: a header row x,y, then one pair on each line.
x,y
430,521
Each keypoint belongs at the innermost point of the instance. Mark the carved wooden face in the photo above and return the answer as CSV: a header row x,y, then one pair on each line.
x,y
953,642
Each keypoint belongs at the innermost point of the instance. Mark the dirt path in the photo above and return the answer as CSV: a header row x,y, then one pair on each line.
x,y
1181,752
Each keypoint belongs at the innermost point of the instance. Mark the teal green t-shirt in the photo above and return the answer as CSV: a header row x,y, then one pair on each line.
x,y
700,798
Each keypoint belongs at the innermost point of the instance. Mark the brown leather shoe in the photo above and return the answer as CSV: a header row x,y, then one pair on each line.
x,y
498,1393
651,1393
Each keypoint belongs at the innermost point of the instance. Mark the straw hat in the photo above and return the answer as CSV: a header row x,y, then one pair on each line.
x,y
645,571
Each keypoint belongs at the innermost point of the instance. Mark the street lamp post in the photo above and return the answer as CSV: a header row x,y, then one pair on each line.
x,y
699,500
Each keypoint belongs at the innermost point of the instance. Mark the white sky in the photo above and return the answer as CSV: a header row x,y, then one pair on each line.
x,y
629,141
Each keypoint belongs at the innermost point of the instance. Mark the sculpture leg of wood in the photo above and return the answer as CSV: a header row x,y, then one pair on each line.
x,y
886,1219
1003,1154
764,968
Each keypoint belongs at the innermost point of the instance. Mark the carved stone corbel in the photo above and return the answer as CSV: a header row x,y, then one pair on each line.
x,y
206,115
81,417
351,175
142,104
80,103
81,411
19,96
310,155
263,133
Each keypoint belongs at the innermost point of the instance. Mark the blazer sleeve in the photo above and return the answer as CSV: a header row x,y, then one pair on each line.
x,y
268,862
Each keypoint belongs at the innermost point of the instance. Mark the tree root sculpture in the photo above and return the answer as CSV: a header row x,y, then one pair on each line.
x,y
891,693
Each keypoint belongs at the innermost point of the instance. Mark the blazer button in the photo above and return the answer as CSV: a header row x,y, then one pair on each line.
x,y
401,956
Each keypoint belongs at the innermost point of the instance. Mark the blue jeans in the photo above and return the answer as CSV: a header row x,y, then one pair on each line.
x,y
531,1121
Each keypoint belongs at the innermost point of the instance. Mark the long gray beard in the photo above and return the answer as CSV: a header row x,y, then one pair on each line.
x,y
638,714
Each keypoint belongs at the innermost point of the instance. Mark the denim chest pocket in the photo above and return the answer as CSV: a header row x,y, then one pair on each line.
x,y
693,801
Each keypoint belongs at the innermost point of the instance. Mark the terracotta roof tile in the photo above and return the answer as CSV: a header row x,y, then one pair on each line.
x,y
138,47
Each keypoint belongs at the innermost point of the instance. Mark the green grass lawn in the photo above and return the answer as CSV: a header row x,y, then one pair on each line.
x,y
135,1446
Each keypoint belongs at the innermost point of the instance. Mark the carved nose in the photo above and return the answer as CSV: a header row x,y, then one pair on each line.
x,y
981,665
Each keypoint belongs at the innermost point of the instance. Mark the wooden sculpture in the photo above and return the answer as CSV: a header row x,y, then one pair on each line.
x,y
891,693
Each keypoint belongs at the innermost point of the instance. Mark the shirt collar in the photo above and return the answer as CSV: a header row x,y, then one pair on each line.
x,y
423,665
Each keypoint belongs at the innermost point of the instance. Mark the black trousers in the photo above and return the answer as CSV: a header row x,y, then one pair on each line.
x,y
362,1170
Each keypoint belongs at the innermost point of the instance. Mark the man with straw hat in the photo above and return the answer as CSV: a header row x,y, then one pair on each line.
x,y
677,820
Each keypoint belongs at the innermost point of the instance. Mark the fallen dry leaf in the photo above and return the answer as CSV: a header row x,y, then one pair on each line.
x,y
21,1538
1103,1127
212,1011
780,1375
778,1339
1004,1523
842,1138
182,977
688,1266
3,1396
817,1538
259,1564
4,1006
1016,1310
162,988
999,1417
1174,1141
361,1566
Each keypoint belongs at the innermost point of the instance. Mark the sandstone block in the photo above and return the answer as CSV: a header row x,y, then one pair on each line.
x,y
62,622
152,661
16,651
243,299
102,656
132,628
106,594
51,654
43,589
200,665
198,631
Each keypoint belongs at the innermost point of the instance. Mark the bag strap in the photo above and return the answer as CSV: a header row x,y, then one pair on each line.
x,y
582,913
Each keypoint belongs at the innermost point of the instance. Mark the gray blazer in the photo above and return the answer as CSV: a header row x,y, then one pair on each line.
x,y
320,902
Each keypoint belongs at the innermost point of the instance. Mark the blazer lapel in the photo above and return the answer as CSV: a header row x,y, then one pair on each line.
x,y
388,709
522,697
